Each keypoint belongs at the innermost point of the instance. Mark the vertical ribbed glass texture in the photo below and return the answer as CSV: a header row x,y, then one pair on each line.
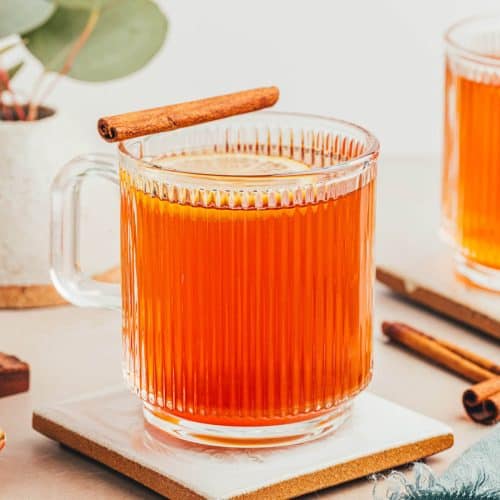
x,y
249,302
471,170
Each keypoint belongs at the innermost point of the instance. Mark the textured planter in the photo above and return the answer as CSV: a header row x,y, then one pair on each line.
x,y
31,154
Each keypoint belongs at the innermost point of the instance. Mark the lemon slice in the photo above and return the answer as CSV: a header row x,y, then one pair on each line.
x,y
237,164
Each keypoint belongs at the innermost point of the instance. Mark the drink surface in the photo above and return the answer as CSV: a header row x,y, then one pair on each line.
x,y
471,182
246,316
234,164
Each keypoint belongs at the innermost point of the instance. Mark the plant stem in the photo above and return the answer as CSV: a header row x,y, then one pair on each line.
x,y
6,88
69,61
19,110
7,112
32,106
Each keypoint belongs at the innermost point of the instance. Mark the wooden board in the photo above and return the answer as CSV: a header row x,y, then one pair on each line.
x,y
109,427
411,257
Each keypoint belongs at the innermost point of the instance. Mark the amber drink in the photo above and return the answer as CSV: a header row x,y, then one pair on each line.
x,y
471,173
247,275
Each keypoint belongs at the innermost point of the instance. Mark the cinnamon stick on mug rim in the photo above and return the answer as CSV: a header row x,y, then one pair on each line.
x,y
162,119
468,365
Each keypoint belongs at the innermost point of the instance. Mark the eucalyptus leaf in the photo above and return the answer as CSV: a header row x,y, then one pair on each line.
x,y
83,4
127,35
19,16
14,69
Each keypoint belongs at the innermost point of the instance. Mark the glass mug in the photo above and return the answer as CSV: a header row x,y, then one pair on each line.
x,y
247,273
471,170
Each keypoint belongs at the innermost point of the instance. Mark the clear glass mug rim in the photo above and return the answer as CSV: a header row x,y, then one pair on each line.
x,y
473,55
368,156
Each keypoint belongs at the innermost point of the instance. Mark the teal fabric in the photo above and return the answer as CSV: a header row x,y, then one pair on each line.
x,y
473,476
484,456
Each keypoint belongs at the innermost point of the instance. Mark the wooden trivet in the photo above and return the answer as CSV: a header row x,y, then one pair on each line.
x,y
14,375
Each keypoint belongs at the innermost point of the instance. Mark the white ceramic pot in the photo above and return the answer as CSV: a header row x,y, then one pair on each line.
x,y
31,154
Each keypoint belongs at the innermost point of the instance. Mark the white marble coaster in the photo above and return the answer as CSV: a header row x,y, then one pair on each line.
x,y
109,427
433,284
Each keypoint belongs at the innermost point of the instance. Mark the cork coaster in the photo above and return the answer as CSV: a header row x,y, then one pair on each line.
x,y
446,295
27,296
109,427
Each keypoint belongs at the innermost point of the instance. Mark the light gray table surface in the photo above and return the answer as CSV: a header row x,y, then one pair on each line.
x,y
72,351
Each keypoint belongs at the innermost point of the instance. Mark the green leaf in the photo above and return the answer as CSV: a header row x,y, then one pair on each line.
x,y
83,4
14,69
127,35
20,16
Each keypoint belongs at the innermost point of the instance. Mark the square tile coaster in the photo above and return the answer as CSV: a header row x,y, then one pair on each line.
x,y
109,427
436,287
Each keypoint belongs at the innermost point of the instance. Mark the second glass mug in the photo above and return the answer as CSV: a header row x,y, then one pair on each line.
x,y
471,166
247,273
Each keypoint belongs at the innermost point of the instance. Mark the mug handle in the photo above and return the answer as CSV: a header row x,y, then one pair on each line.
x,y
73,284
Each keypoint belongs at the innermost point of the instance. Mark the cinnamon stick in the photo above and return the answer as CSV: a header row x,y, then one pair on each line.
x,y
482,401
471,356
455,359
165,118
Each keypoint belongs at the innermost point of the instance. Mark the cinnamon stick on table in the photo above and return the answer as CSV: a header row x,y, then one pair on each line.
x,y
165,118
481,401
469,365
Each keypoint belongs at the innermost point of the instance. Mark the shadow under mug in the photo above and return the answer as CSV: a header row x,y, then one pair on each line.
x,y
246,296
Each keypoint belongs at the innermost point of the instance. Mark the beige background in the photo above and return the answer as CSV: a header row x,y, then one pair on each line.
x,y
74,350
377,63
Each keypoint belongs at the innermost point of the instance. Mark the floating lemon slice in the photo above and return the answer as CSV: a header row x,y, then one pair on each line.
x,y
237,164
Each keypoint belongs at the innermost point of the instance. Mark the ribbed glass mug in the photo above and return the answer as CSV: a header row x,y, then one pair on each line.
x,y
471,170
247,273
